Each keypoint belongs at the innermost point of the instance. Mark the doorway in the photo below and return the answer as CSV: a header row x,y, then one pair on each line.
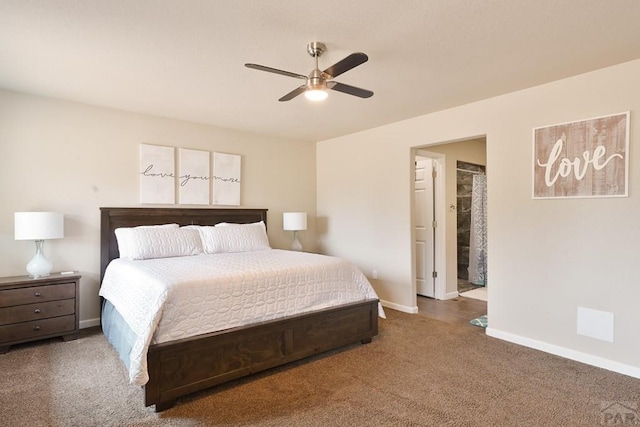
x,y
465,173
446,204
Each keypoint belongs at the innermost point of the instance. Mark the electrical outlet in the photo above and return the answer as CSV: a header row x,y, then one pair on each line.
x,y
374,274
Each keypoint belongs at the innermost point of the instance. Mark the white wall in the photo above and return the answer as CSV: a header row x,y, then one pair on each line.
x,y
547,257
72,158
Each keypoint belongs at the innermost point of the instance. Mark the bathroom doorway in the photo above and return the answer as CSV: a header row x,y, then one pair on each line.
x,y
472,151
465,173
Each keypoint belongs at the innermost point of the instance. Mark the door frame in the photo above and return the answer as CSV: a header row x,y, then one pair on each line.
x,y
440,218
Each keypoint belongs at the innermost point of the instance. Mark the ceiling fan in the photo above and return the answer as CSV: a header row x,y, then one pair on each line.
x,y
317,82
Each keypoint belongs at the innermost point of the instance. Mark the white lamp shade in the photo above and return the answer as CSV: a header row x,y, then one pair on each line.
x,y
38,225
294,221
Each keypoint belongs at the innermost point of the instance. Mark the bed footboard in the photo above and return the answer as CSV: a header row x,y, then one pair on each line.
x,y
182,367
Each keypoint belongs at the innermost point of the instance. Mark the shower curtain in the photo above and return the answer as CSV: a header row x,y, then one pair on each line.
x,y
478,240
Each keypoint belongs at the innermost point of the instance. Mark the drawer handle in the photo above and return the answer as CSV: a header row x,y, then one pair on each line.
x,y
38,294
36,328
36,311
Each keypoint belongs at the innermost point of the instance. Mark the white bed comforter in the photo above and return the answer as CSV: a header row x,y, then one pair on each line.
x,y
171,298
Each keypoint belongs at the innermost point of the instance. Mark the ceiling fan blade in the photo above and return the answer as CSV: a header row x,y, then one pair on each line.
x,y
351,90
297,91
346,64
275,71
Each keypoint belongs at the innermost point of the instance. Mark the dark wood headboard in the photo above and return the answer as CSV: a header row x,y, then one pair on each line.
x,y
112,218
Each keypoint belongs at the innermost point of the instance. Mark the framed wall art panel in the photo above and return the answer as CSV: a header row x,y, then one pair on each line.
x,y
195,176
157,174
587,158
226,179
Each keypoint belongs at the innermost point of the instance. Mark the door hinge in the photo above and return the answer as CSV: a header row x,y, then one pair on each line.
x,y
434,274
434,224
434,173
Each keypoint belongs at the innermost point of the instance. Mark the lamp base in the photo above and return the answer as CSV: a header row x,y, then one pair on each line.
x,y
39,266
296,245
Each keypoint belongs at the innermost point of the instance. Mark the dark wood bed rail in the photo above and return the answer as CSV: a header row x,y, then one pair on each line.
x,y
185,366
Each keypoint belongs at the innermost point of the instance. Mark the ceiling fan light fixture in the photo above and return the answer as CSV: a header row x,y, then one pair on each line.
x,y
316,86
319,82
316,94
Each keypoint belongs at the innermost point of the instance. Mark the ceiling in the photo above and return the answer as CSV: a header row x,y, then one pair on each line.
x,y
185,59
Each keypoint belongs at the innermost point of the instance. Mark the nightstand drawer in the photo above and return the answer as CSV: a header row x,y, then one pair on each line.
x,y
37,294
37,328
44,310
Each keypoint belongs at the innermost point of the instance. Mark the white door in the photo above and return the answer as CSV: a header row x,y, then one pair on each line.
x,y
424,223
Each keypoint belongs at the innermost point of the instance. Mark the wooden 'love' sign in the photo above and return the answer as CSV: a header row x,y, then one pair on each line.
x,y
587,158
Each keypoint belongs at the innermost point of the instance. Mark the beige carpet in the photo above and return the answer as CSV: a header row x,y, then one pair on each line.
x,y
417,372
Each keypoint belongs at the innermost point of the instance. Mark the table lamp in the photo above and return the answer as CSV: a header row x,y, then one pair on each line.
x,y
38,226
294,221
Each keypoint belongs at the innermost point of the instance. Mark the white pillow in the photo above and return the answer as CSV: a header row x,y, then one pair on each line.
x,y
234,238
163,241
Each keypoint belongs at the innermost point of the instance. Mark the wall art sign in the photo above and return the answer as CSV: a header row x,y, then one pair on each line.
x,y
226,179
587,158
157,174
194,176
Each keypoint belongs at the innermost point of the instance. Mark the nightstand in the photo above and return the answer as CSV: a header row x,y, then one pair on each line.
x,y
33,309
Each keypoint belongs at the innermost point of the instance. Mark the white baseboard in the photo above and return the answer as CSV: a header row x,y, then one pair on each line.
x,y
89,323
403,308
578,356
451,295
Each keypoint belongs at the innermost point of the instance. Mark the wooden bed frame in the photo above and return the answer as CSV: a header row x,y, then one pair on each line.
x,y
181,367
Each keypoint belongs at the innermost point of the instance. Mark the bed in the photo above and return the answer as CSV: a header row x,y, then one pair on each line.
x,y
182,366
